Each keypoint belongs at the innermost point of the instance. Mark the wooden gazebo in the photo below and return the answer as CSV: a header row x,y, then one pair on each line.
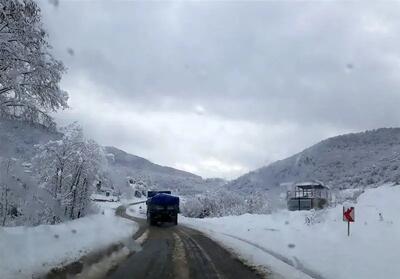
x,y
308,195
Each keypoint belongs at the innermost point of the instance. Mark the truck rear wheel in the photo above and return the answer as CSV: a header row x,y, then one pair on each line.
x,y
175,220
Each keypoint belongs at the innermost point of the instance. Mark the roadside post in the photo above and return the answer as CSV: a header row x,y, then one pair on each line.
x,y
348,216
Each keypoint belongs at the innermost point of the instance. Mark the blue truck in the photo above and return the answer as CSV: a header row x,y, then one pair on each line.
x,y
162,207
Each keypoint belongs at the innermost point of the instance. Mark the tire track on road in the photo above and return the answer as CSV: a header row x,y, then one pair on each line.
x,y
201,262
297,264
181,270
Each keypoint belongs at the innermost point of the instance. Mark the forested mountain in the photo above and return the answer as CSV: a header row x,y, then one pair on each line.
x,y
29,152
123,166
356,160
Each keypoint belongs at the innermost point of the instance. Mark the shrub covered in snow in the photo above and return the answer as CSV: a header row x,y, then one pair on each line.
x,y
223,203
21,201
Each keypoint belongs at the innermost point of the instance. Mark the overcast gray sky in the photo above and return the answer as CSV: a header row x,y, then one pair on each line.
x,y
221,88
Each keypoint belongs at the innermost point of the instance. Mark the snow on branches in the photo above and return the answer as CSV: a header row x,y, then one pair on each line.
x,y
20,201
29,75
67,169
224,203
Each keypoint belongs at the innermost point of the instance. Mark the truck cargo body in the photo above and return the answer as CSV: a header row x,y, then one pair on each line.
x,y
151,194
162,207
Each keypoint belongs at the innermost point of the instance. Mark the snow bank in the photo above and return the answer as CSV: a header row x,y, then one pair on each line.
x,y
137,210
316,242
108,207
26,251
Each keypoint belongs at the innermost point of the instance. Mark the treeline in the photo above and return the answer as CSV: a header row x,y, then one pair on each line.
x,y
55,185
223,202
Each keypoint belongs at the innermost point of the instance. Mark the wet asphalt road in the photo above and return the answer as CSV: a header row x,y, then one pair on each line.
x,y
179,252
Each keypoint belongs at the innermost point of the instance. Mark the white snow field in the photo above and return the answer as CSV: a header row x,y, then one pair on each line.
x,y
284,243
29,251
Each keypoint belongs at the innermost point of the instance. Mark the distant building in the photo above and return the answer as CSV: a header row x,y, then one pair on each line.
x,y
104,193
308,195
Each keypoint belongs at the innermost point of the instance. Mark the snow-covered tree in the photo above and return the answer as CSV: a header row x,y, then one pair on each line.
x,y
20,199
67,170
140,184
29,75
223,202
6,193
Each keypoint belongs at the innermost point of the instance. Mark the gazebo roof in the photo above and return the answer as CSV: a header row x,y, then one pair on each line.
x,y
311,185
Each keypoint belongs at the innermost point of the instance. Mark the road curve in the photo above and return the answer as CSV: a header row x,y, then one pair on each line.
x,y
179,252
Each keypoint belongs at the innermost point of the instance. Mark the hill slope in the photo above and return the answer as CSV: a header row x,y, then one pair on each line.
x,y
125,165
18,139
124,159
356,160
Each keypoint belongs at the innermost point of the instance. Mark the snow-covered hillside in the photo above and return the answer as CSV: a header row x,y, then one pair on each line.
x,y
349,161
123,165
18,138
316,243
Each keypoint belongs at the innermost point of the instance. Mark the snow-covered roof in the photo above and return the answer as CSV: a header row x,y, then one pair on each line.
x,y
311,184
104,189
99,197
284,184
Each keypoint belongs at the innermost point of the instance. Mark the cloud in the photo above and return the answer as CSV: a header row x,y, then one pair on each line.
x,y
235,84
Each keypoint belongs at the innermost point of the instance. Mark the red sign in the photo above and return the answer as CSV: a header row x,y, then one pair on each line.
x,y
348,214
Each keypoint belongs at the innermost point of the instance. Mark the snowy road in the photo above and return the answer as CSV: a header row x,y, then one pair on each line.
x,y
179,252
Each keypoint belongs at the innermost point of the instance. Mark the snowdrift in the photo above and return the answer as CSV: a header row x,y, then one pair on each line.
x,y
315,244
30,251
